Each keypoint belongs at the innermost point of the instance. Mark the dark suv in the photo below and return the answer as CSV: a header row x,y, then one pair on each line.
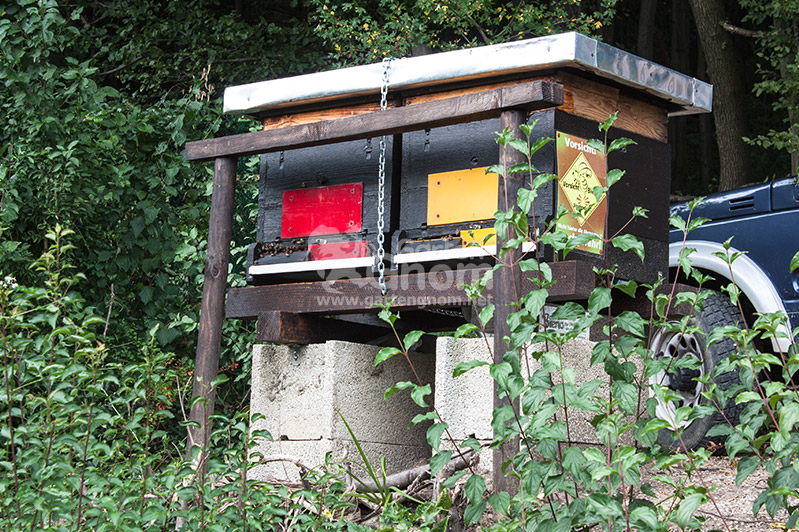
x,y
763,222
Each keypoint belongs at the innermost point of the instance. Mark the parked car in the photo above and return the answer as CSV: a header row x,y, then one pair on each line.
x,y
763,222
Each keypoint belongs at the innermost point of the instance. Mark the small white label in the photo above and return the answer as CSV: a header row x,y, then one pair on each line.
x,y
560,326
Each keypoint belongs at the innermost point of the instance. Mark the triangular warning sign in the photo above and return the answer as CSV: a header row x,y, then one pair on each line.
x,y
578,186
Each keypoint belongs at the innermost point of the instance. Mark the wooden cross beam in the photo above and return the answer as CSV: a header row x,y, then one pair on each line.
x,y
533,96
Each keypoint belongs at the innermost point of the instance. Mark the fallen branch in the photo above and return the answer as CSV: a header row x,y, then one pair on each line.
x,y
403,479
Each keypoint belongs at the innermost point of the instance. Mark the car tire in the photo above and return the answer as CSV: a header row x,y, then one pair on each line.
x,y
718,311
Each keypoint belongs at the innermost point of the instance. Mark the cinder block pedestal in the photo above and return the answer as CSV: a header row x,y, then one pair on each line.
x,y
466,402
300,390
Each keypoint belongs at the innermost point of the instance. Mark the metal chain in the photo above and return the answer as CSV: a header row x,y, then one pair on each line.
x,y
381,186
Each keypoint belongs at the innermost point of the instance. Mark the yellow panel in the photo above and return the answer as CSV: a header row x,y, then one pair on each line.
x,y
461,196
478,236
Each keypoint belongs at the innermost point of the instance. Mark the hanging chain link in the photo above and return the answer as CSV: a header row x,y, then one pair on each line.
x,y
381,186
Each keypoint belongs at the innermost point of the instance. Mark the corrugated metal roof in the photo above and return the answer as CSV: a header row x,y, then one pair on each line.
x,y
688,94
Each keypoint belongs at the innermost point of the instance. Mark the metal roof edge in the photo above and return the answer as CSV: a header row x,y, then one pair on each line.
x,y
690,95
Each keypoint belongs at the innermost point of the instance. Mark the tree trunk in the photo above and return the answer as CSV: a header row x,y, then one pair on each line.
x,y
646,29
679,60
708,165
728,93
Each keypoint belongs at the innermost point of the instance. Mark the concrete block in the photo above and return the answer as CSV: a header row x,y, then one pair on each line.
x,y
301,389
466,402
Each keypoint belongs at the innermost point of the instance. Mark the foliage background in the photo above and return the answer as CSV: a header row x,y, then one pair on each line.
x,y
97,102
98,99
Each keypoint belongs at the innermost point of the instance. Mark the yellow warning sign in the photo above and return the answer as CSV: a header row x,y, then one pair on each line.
x,y
581,169
578,185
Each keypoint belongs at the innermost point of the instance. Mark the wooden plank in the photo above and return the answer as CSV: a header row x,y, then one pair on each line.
x,y
212,308
643,118
318,115
468,108
410,292
582,97
290,328
427,96
596,101
507,290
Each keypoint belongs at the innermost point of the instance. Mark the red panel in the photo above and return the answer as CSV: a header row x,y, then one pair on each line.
x,y
322,210
339,250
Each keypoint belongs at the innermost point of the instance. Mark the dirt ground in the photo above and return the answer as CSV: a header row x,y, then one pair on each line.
x,y
735,502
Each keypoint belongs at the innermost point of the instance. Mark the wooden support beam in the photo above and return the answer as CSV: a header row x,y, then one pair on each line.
x,y
212,308
575,280
279,327
507,289
536,95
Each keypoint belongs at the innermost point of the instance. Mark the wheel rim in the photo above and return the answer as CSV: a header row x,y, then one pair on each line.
x,y
676,345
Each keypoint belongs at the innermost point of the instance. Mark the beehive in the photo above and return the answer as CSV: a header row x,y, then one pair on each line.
x,y
437,191
317,211
449,201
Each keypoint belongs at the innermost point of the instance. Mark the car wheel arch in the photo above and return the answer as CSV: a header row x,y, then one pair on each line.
x,y
747,275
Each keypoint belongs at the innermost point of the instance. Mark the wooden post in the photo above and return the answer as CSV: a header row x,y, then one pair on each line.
x,y
212,310
507,285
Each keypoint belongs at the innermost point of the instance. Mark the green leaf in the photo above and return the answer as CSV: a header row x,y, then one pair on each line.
x,y
411,338
532,265
628,287
466,329
538,144
599,300
421,418
573,459
496,169
631,322
219,379
597,144
746,466
519,168
607,124
644,518
486,313
475,487
500,502
655,424
677,222
418,394
434,433
520,146
463,367
146,294
525,198
795,262
619,144
439,461
577,240
687,507
473,512
696,222
605,506
614,176
396,388
385,313
629,242
386,353
789,415
535,300
627,394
